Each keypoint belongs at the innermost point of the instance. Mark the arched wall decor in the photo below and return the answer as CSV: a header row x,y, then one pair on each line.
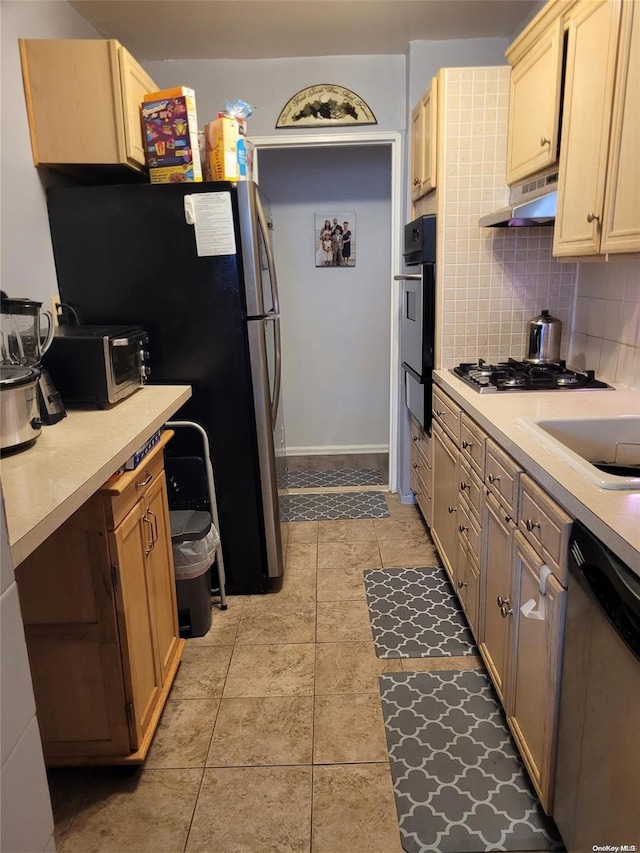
x,y
325,105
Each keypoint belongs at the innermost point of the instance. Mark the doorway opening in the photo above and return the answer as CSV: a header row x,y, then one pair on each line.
x,y
340,336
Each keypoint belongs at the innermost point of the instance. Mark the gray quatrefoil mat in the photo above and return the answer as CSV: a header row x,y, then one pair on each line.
x,y
459,783
326,507
325,479
415,613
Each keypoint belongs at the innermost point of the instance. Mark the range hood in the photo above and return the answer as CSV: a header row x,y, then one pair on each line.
x,y
531,203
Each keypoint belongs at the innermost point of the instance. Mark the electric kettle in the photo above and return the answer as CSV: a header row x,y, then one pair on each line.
x,y
544,336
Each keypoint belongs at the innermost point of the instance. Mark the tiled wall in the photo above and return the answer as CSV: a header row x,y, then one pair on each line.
x,y
606,332
493,280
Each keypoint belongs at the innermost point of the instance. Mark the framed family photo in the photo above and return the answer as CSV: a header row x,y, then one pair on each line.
x,y
335,239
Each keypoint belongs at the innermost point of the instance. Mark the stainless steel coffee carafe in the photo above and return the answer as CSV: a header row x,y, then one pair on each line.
x,y
545,333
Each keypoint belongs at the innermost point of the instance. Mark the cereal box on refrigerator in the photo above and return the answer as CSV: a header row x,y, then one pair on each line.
x,y
171,136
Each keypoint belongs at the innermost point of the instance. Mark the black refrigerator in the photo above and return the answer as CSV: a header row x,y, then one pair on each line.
x,y
193,265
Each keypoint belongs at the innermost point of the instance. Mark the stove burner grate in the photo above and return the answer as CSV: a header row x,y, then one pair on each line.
x,y
513,375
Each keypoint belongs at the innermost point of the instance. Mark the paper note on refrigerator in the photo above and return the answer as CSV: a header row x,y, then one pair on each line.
x,y
213,223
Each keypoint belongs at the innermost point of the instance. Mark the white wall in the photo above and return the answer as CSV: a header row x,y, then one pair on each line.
x,y
27,270
267,84
335,322
27,259
606,328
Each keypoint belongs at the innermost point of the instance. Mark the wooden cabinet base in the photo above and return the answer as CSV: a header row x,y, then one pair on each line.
x,y
140,754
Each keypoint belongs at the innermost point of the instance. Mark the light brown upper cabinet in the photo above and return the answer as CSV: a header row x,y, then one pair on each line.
x,y
621,219
534,103
83,102
424,134
592,41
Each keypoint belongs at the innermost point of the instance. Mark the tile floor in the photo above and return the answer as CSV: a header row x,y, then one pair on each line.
x,y
272,738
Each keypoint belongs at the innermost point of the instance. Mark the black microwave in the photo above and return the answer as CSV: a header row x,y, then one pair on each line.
x,y
97,365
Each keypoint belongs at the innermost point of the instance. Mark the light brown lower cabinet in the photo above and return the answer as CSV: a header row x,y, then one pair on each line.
x,y
535,690
496,626
444,495
99,607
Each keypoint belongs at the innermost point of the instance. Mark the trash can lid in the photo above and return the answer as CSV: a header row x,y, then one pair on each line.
x,y
188,525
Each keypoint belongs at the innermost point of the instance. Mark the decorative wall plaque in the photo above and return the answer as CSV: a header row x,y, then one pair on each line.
x,y
325,105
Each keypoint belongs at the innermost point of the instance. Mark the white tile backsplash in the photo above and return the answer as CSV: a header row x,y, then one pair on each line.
x,y
605,334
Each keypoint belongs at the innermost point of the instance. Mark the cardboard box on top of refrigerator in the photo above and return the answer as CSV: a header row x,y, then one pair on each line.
x,y
221,149
171,136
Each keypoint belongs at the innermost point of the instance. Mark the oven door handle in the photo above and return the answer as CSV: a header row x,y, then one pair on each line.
x,y
413,277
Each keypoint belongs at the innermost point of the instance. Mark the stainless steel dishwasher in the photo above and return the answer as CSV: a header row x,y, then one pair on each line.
x,y
597,799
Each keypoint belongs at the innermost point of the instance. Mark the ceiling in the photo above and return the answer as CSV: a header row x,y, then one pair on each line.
x,y
262,29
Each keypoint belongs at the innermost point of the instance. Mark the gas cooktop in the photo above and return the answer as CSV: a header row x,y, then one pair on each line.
x,y
512,375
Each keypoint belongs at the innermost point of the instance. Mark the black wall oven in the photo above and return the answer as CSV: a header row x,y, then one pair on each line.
x,y
417,332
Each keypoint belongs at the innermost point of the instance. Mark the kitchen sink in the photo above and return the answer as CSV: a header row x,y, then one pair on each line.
x,y
604,450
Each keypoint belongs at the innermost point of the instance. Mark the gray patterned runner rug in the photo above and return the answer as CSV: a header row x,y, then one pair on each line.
x,y
415,613
325,479
325,507
459,783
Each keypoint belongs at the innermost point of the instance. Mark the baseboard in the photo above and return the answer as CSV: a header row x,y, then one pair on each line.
x,y
338,450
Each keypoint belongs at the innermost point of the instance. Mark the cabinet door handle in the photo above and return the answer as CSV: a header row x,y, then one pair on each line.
x,y
531,525
505,611
466,445
151,543
439,413
415,466
462,528
493,479
145,482
155,525
461,584
451,509
544,141
592,217
416,182
463,486
502,601
414,438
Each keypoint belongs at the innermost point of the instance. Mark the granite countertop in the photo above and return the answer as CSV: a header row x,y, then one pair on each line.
x,y
45,484
612,515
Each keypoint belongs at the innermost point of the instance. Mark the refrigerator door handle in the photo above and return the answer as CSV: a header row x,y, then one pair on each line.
x,y
275,299
277,380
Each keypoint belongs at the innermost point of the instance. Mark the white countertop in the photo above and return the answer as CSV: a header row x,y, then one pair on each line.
x,y
613,516
45,484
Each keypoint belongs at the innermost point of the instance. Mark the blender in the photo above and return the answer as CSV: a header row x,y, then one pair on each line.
x,y
21,345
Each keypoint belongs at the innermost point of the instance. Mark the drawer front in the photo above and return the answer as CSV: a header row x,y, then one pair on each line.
x,y
471,489
472,443
469,530
423,496
501,477
545,525
420,442
447,413
117,506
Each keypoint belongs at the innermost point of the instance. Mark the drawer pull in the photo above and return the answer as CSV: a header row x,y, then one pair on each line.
x,y
414,438
466,445
451,509
531,525
439,413
415,466
461,584
502,601
507,518
462,528
492,478
463,486
145,482
505,611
